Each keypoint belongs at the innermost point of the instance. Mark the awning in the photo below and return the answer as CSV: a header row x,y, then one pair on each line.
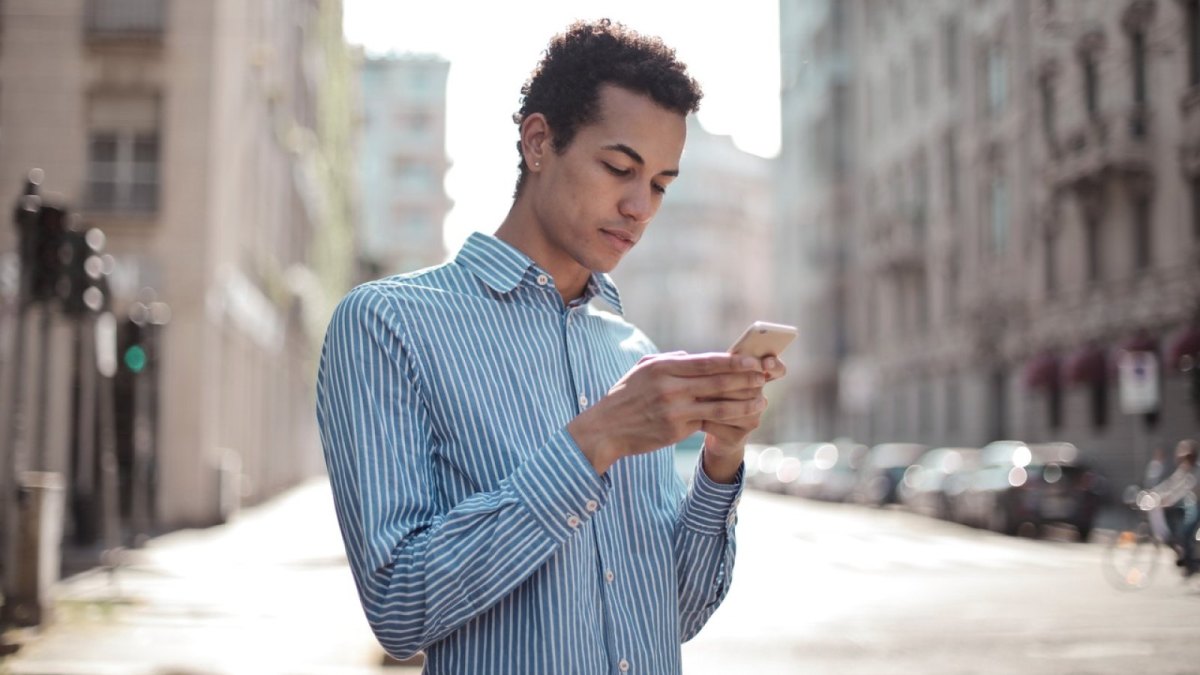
x,y
1140,342
1041,372
1183,342
1086,365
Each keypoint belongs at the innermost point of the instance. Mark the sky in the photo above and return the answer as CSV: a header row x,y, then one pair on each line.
x,y
731,49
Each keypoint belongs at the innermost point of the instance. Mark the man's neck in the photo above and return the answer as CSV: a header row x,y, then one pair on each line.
x,y
521,231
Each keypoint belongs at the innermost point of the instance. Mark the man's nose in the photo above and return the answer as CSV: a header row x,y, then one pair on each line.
x,y
638,204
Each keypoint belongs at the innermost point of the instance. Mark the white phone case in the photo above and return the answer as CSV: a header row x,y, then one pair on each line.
x,y
762,338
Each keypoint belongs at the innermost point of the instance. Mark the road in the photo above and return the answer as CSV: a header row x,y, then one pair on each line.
x,y
818,588
832,588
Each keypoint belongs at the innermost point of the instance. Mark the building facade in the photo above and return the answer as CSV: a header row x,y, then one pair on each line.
x,y
1025,211
403,163
211,142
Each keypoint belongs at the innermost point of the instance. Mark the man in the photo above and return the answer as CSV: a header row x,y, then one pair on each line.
x,y
1181,490
500,448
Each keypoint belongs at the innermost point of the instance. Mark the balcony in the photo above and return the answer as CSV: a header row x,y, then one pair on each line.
x,y
1116,144
125,20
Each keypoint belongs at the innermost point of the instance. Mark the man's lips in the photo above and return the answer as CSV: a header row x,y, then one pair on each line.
x,y
619,238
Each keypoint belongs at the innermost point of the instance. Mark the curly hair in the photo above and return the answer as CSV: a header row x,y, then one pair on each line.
x,y
565,84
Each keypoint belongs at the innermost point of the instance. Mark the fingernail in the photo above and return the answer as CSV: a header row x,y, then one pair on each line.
x,y
769,362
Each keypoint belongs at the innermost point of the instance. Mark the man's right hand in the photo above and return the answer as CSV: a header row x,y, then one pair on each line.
x,y
664,399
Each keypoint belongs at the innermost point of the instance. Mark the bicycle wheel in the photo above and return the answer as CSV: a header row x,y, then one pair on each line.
x,y
1131,559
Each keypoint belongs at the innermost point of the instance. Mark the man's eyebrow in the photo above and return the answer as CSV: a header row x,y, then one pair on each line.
x,y
633,154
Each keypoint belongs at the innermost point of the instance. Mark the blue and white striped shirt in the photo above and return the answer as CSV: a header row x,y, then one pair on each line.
x,y
475,527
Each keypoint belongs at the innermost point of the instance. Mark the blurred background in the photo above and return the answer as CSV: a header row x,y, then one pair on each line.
x,y
984,217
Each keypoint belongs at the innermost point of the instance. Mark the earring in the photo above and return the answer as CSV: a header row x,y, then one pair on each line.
x,y
537,165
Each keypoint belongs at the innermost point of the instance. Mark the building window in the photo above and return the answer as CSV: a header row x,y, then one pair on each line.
x,y
1048,111
1195,184
1193,37
123,154
1091,84
920,75
1050,267
1054,407
950,52
952,403
997,79
1099,402
999,215
1091,235
951,174
1142,234
1137,47
125,17
952,279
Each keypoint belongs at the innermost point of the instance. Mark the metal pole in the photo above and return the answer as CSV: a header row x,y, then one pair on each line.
x,y
85,459
11,437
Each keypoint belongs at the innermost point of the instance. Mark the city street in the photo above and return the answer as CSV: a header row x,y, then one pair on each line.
x,y
831,588
819,588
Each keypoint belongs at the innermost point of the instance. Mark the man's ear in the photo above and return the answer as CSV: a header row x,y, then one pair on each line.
x,y
536,140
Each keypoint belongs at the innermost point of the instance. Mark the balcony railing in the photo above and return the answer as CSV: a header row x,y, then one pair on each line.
x,y
126,18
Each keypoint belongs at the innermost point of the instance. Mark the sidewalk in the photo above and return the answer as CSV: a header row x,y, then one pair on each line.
x,y
269,592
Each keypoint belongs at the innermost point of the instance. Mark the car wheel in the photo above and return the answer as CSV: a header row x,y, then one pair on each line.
x,y
1085,531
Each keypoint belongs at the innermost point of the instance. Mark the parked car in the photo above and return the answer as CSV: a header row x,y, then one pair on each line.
x,y
829,471
1033,484
928,485
882,470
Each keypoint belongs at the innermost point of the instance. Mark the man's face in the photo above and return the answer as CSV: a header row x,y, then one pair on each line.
x,y
597,197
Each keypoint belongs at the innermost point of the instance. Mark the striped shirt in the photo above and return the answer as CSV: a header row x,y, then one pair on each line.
x,y
475,527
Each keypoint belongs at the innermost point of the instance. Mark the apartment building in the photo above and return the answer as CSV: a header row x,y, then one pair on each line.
x,y
211,142
1024,211
403,163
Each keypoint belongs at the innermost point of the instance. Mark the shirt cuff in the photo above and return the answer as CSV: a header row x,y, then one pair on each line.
x,y
560,487
711,507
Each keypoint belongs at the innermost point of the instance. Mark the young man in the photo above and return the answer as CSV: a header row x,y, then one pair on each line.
x,y
499,448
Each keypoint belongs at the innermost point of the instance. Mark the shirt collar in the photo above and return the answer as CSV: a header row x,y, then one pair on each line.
x,y
502,267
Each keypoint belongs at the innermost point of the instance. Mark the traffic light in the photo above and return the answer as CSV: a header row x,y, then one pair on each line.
x,y
86,290
133,345
48,238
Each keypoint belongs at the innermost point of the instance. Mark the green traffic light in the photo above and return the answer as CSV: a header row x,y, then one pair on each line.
x,y
135,358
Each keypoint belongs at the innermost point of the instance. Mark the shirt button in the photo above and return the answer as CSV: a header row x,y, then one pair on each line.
x,y
592,505
582,401
609,576
572,520
542,279
624,666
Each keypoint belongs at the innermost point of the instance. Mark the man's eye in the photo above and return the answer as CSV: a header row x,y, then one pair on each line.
x,y
615,171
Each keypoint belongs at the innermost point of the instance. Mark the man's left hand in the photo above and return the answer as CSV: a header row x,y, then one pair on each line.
x,y
725,441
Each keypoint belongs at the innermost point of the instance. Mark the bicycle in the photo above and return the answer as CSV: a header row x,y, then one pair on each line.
x,y
1134,555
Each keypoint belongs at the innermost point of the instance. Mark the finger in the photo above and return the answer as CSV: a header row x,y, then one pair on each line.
x,y
774,368
700,365
725,411
747,394
721,386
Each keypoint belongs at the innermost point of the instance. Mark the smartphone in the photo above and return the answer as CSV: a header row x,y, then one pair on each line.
x,y
764,339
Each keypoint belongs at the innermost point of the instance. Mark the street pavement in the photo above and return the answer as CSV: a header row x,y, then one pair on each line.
x,y
818,588
268,592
